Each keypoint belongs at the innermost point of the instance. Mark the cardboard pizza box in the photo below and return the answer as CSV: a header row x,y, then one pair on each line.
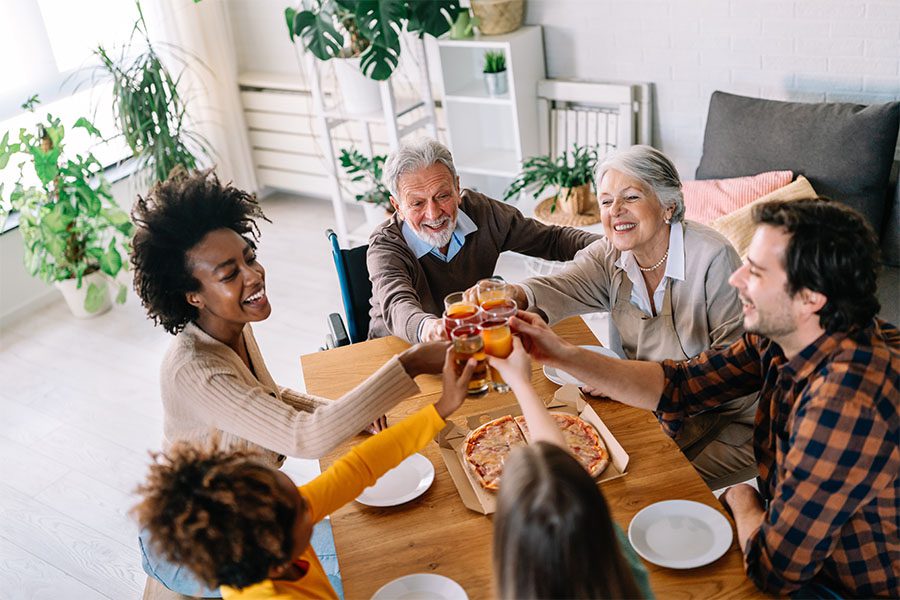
x,y
568,399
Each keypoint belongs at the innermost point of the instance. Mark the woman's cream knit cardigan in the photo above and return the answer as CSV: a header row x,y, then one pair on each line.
x,y
206,388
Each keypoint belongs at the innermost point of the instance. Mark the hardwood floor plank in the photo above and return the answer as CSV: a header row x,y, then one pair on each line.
x,y
95,504
92,455
26,577
25,470
24,424
99,562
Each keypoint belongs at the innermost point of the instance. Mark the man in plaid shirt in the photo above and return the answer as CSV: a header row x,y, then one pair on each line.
x,y
827,432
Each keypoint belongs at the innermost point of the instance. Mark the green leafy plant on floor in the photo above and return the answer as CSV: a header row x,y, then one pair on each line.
x,y
148,107
374,28
494,62
362,168
70,223
568,170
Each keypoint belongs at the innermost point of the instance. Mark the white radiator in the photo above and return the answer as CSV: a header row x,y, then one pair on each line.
x,y
605,115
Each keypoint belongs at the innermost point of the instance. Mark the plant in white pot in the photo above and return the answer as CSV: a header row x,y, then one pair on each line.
x,y
377,198
374,29
495,80
74,233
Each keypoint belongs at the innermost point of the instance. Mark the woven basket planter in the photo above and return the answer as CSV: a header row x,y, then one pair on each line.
x,y
498,16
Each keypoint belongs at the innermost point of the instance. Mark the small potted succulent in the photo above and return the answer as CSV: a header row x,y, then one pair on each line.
x,y
495,73
377,198
571,174
75,235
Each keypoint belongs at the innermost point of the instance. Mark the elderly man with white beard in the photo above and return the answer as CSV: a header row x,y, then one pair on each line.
x,y
441,240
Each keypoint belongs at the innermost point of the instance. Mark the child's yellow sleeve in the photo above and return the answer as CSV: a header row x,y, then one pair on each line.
x,y
361,467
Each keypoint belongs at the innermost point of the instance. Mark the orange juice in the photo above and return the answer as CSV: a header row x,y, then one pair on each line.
x,y
469,343
460,314
497,342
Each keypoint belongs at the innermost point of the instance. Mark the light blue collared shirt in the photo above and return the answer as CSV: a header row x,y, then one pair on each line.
x,y
464,226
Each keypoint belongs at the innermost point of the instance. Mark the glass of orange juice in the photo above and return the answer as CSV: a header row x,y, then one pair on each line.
x,y
492,291
458,312
468,342
497,337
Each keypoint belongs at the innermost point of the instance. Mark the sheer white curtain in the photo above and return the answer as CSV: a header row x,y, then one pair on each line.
x,y
203,30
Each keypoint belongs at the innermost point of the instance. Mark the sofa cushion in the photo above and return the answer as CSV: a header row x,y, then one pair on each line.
x,y
709,199
738,226
845,150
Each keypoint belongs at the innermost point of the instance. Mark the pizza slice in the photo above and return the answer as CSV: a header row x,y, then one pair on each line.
x,y
487,447
581,437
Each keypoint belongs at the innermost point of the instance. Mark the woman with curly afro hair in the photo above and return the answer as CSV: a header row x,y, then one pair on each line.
x,y
197,274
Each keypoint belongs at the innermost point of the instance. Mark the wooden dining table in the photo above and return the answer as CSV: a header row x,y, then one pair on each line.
x,y
436,533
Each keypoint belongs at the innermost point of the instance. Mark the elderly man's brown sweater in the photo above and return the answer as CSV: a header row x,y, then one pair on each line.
x,y
407,290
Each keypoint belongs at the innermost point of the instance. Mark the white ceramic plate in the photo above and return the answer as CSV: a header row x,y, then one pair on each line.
x,y
560,377
421,586
680,534
401,484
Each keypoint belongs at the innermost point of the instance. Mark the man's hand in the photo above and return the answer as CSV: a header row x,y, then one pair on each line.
x,y
424,358
515,368
746,507
456,387
539,340
433,330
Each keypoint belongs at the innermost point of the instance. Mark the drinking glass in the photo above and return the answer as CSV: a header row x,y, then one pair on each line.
x,y
497,337
493,290
468,343
460,313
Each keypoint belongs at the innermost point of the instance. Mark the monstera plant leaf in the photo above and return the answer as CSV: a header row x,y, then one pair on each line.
x,y
318,34
433,18
378,62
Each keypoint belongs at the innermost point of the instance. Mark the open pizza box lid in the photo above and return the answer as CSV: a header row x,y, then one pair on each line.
x,y
568,399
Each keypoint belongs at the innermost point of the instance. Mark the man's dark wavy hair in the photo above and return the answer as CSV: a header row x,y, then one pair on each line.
x,y
832,251
172,219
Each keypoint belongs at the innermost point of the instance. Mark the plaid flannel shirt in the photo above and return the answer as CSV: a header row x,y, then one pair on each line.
x,y
827,442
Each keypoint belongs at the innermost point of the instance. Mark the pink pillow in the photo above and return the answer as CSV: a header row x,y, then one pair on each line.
x,y
708,199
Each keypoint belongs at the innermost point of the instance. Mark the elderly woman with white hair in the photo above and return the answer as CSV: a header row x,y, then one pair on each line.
x,y
664,282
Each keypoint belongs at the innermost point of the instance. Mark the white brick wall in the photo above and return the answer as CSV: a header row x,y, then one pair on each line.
x,y
803,50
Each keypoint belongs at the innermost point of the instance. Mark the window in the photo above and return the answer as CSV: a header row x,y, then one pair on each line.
x,y
46,48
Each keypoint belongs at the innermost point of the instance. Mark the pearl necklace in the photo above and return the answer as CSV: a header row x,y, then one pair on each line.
x,y
656,266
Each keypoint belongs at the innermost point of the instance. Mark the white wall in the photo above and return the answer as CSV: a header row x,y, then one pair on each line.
x,y
805,50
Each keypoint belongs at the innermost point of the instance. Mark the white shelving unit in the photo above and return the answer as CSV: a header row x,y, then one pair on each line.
x,y
489,136
329,118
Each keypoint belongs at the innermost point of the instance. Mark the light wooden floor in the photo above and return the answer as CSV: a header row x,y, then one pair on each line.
x,y
79,410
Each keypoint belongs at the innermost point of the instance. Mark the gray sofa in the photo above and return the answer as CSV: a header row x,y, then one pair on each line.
x,y
845,150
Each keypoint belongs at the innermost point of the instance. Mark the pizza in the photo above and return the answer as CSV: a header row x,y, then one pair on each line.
x,y
582,439
486,448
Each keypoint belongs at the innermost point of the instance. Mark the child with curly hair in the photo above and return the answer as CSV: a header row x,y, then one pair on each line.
x,y
238,523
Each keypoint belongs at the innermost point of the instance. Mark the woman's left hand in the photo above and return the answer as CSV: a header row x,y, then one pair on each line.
x,y
424,358
456,387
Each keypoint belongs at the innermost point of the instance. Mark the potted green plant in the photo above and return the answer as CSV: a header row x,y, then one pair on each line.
x,y
495,73
374,30
148,107
376,198
571,175
74,233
